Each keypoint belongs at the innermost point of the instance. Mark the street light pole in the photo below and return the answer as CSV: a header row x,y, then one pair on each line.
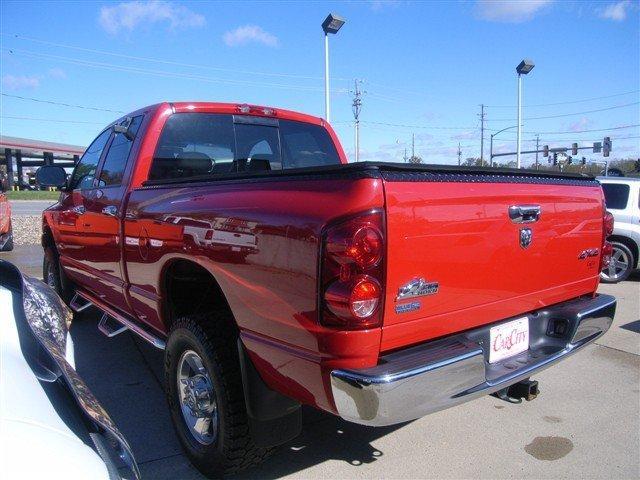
x,y
331,24
491,143
524,67
519,119
326,77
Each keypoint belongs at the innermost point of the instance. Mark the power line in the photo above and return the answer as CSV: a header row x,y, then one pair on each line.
x,y
399,125
53,120
567,102
413,126
165,62
51,102
565,114
621,127
161,73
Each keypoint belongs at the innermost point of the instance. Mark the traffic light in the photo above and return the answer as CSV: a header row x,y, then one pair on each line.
x,y
574,149
569,160
555,159
545,151
606,146
583,161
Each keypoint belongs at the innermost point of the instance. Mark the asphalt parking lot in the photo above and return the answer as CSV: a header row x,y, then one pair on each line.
x,y
585,423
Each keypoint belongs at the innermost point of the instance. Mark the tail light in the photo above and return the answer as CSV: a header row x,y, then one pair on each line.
x,y
607,230
352,273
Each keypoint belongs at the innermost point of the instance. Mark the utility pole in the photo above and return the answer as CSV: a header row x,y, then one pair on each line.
x,y
537,148
413,145
356,106
405,155
482,115
459,153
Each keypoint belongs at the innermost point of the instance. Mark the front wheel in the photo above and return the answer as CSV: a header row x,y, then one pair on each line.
x,y
620,265
55,277
204,391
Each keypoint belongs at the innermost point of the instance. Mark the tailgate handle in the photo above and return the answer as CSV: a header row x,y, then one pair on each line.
x,y
524,213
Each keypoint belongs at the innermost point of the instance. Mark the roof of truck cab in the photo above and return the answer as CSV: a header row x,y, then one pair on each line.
x,y
234,108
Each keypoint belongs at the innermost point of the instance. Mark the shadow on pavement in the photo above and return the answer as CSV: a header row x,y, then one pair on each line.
x,y
27,257
632,326
126,375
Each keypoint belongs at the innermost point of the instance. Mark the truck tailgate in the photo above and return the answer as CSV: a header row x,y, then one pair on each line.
x,y
459,235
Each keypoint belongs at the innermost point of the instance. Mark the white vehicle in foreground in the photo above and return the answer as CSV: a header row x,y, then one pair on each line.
x,y
622,195
51,425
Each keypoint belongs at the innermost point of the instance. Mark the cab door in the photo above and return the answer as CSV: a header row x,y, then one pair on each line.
x,y
102,220
68,219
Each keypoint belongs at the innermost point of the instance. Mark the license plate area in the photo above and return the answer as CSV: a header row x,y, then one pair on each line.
x,y
508,339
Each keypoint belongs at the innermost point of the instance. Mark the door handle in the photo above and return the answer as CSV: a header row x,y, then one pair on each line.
x,y
524,213
110,210
79,209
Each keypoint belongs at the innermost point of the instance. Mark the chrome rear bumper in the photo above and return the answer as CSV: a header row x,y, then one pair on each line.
x,y
419,380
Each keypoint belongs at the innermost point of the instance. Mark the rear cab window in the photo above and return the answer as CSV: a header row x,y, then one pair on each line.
x,y
616,195
206,144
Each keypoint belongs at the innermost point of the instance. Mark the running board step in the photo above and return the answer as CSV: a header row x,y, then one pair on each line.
x,y
112,322
110,326
78,303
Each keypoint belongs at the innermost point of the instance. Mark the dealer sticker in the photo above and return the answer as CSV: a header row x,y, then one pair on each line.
x,y
509,339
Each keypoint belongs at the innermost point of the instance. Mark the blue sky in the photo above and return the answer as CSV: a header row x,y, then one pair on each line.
x,y
426,68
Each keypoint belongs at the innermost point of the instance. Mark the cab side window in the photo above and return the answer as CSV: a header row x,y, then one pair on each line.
x,y
85,171
117,156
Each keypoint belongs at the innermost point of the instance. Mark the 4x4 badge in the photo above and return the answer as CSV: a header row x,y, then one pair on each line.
x,y
417,288
526,237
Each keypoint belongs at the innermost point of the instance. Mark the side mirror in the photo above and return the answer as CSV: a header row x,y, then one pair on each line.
x,y
51,176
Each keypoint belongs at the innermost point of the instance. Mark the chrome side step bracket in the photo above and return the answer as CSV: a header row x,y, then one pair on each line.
x,y
110,326
79,303
113,323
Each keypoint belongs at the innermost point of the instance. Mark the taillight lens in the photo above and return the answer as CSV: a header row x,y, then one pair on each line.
x,y
607,230
352,273
608,224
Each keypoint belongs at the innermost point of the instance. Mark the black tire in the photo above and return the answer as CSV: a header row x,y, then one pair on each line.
x,y
210,337
53,276
8,244
616,272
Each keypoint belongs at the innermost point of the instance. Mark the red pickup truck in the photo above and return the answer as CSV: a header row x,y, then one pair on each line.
x,y
274,274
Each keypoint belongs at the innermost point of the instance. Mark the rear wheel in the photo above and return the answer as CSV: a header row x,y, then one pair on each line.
x,y
204,390
620,266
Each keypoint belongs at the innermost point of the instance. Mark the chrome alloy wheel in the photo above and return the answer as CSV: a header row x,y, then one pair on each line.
x,y
618,265
197,398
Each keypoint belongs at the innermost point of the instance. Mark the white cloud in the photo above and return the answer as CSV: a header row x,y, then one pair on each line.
x,y
249,34
12,82
129,15
616,11
466,135
378,5
582,124
510,11
57,73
